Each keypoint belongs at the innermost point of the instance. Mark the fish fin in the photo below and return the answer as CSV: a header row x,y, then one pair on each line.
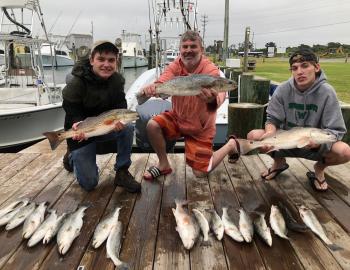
x,y
164,96
108,122
54,139
334,247
271,150
302,142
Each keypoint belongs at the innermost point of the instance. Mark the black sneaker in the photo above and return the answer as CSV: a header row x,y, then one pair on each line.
x,y
124,179
66,163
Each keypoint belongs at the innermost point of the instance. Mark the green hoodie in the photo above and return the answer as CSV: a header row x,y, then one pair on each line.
x,y
88,95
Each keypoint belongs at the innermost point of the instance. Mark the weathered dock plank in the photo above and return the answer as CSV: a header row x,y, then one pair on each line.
x,y
211,257
15,166
299,195
53,193
338,178
251,200
238,255
310,253
70,200
138,247
170,253
96,258
26,175
150,240
329,200
7,158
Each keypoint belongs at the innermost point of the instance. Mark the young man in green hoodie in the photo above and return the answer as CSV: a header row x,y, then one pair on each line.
x,y
305,100
94,88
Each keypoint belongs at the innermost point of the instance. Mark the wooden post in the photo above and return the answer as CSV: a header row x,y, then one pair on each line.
x,y
345,108
244,117
261,88
254,89
245,86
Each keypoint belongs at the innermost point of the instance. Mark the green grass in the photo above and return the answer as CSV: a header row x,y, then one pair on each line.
x,y
338,74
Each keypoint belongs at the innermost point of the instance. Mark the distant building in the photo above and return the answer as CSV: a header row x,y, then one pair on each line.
x,y
78,40
255,54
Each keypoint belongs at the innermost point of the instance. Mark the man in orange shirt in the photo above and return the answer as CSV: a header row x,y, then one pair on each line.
x,y
191,117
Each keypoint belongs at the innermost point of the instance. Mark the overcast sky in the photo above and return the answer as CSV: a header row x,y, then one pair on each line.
x,y
285,22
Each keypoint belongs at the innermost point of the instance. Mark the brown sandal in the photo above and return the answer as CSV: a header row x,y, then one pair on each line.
x,y
275,171
312,178
234,157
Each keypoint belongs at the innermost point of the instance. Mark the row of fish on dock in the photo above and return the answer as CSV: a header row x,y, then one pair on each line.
x,y
66,227
189,225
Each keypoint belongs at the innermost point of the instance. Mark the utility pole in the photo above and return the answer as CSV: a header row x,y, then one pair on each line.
x,y
204,21
226,23
246,46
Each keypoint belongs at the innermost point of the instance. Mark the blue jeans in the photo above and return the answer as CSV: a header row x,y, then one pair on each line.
x,y
84,158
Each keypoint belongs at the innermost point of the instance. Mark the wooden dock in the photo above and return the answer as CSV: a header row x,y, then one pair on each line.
x,y
150,239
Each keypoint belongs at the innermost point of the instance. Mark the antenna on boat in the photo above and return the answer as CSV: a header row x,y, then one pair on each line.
x,y
54,23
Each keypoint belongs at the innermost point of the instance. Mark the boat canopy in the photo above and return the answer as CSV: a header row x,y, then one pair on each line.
x,y
29,4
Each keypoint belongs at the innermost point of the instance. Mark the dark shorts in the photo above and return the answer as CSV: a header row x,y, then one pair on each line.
x,y
302,153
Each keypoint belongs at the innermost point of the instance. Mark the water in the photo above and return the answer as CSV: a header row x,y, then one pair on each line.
x,y
130,75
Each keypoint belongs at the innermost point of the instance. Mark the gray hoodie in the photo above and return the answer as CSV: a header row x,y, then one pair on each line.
x,y
317,107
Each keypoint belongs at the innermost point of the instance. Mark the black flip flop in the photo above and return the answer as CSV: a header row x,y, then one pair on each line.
x,y
275,171
234,157
312,178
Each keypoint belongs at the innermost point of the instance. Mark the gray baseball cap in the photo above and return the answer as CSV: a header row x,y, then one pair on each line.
x,y
103,42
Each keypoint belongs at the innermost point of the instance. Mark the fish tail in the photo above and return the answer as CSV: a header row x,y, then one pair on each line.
x,y
53,138
334,247
181,202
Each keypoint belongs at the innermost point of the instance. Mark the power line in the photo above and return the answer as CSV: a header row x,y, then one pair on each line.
x,y
303,28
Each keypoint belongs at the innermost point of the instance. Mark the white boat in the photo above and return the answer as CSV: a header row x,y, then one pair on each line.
x,y
171,55
59,57
133,53
29,105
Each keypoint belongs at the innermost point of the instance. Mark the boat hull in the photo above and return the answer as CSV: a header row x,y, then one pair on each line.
x,y
27,125
133,62
58,61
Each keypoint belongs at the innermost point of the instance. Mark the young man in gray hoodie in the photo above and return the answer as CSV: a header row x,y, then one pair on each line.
x,y
305,100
